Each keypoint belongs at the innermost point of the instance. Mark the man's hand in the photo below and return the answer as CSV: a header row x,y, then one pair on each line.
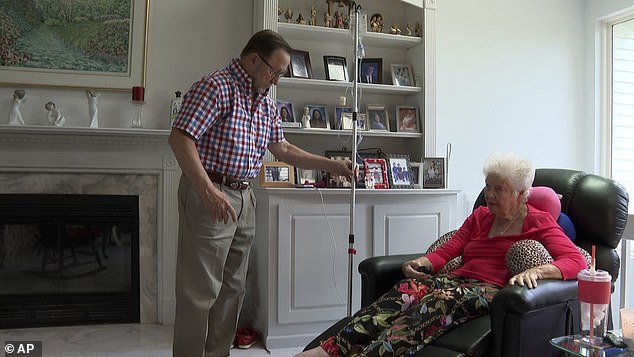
x,y
219,206
344,168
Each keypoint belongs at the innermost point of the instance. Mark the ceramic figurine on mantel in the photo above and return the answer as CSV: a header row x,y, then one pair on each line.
x,y
93,120
54,116
15,117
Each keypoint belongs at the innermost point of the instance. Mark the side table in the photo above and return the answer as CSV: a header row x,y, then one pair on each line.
x,y
576,347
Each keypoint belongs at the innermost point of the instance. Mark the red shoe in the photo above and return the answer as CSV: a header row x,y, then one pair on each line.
x,y
246,337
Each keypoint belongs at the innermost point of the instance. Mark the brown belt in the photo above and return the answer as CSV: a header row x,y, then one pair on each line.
x,y
228,181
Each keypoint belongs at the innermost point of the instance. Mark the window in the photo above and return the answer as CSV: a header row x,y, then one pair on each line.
x,y
618,148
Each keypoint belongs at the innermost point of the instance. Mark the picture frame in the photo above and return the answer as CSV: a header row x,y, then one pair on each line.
x,y
337,119
371,70
398,171
416,172
346,121
333,180
434,175
276,174
402,75
377,167
318,116
286,111
306,176
363,154
300,65
336,68
407,119
86,70
378,119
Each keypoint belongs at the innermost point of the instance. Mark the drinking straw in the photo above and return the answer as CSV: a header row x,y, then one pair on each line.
x,y
593,271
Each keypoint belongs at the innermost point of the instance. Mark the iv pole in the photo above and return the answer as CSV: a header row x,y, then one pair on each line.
x,y
355,86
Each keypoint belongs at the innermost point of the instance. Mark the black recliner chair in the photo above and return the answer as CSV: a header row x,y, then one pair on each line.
x,y
522,321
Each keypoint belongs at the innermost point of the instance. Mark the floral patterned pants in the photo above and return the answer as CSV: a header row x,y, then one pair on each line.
x,y
412,314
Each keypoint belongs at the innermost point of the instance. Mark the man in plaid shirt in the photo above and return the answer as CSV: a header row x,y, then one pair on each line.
x,y
225,124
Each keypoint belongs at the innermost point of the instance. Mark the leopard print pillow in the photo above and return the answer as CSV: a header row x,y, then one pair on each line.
x,y
529,253
453,263
526,254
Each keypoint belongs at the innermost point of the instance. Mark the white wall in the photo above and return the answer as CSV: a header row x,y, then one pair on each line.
x,y
509,78
187,40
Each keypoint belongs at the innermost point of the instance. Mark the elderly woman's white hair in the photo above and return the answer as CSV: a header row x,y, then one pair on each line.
x,y
516,171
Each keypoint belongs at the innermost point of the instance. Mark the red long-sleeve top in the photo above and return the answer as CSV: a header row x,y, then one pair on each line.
x,y
484,257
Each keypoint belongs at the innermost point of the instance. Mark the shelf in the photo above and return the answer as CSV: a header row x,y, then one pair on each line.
x,y
83,131
76,135
324,85
377,133
327,34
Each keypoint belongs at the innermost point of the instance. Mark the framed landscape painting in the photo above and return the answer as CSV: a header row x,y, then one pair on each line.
x,y
78,44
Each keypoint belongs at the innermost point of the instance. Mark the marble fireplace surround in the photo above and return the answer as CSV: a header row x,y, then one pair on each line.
x,y
37,159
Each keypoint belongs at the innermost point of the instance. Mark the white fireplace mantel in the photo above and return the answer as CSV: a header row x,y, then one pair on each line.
x,y
81,151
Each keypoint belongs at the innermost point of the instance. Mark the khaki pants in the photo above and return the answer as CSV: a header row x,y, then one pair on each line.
x,y
211,270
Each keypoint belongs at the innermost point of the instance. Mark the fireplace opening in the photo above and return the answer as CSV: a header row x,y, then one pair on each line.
x,y
68,259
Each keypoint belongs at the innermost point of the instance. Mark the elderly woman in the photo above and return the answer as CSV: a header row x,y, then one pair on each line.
x,y
424,306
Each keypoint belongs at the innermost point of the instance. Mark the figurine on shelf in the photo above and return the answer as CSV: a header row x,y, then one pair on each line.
x,y
408,29
280,12
92,96
376,23
338,20
327,19
306,118
418,30
288,15
300,19
54,116
15,117
313,16
394,29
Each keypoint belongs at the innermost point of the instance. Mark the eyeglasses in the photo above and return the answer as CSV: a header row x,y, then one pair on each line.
x,y
272,70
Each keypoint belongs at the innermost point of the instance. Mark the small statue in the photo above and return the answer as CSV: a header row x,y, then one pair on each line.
x,y
92,96
338,20
369,180
15,117
327,19
418,30
55,116
376,23
300,19
306,118
280,12
395,30
288,15
313,16
408,30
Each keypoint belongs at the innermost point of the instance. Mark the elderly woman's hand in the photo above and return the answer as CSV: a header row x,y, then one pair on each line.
x,y
415,268
530,276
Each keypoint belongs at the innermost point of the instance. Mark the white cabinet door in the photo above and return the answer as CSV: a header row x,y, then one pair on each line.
x,y
313,262
410,228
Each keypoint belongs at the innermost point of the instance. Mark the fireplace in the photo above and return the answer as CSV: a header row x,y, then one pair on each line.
x,y
103,161
68,259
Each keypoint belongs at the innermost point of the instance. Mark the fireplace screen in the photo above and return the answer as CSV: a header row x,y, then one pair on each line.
x,y
68,259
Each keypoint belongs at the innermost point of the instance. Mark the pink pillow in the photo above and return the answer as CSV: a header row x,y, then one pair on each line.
x,y
545,199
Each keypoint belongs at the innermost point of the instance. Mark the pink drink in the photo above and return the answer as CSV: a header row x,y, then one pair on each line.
x,y
594,299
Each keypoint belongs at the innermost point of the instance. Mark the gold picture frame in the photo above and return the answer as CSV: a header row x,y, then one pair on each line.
x,y
277,174
80,74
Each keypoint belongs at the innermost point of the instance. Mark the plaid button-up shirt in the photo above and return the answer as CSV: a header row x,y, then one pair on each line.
x,y
231,132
